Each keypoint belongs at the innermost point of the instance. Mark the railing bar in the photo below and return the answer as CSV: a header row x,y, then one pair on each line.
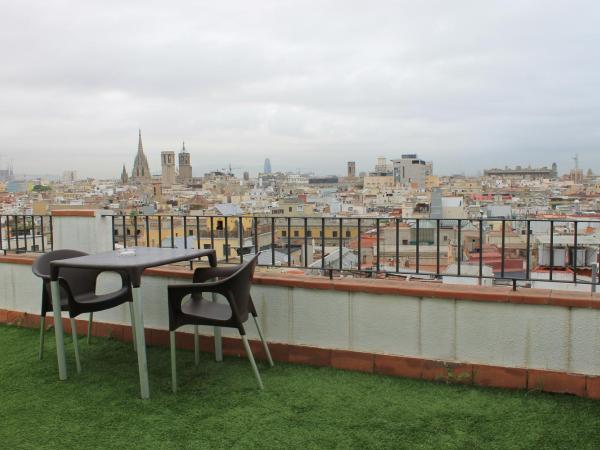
x,y
503,248
322,242
25,232
480,249
255,226
551,248
241,239
124,226
135,230
341,243
33,232
42,233
528,245
397,245
575,253
418,245
212,233
185,245
159,231
1,244
172,232
437,247
8,236
197,231
16,234
51,233
289,241
359,245
273,241
378,239
305,242
458,248
147,220
226,239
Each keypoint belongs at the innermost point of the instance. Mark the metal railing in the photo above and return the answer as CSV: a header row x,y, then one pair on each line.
x,y
21,233
389,246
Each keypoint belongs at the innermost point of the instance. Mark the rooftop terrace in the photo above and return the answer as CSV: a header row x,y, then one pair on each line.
x,y
219,406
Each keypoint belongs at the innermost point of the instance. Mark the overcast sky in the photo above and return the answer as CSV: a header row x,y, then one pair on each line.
x,y
309,84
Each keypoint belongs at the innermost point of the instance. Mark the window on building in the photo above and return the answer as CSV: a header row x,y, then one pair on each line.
x,y
138,231
290,209
404,241
296,233
219,224
283,233
191,233
308,233
334,234
206,246
348,233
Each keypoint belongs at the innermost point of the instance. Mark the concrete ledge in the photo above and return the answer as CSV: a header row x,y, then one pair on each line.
x,y
73,213
419,289
401,366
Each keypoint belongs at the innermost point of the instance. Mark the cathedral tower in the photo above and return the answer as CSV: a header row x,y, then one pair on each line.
x,y
141,170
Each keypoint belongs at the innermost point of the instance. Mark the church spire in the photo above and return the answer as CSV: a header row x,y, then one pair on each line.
x,y
140,148
183,148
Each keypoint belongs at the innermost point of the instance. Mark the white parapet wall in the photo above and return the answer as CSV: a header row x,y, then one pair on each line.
x,y
500,333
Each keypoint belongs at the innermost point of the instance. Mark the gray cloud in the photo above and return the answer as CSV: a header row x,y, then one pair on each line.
x,y
308,84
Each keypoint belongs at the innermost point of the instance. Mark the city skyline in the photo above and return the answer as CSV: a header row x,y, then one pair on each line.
x,y
466,85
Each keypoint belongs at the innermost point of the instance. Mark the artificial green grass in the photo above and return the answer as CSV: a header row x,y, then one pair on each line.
x,y
219,406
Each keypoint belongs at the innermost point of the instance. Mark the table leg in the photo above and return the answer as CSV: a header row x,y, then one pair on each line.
x,y
218,338
140,342
58,330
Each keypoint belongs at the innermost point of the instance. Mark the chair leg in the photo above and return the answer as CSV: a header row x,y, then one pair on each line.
x,y
173,362
90,321
196,346
42,333
132,325
252,362
264,342
75,344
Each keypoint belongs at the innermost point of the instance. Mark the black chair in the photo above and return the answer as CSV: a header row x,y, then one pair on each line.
x,y
234,284
77,294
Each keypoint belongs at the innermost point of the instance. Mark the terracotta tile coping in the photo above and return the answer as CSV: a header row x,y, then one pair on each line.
x,y
73,213
391,365
497,294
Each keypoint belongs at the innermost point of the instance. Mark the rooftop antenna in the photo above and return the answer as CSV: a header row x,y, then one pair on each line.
x,y
576,159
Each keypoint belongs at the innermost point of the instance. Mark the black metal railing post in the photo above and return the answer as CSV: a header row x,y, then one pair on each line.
x,y
575,253
551,248
305,242
503,240
359,245
458,248
273,241
417,266
341,243
241,239
147,220
172,232
397,245
124,232
378,241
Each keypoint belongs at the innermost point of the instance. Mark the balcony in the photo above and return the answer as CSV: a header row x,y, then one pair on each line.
x,y
491,336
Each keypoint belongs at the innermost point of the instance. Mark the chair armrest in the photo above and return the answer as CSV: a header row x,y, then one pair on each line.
x,y
177,292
